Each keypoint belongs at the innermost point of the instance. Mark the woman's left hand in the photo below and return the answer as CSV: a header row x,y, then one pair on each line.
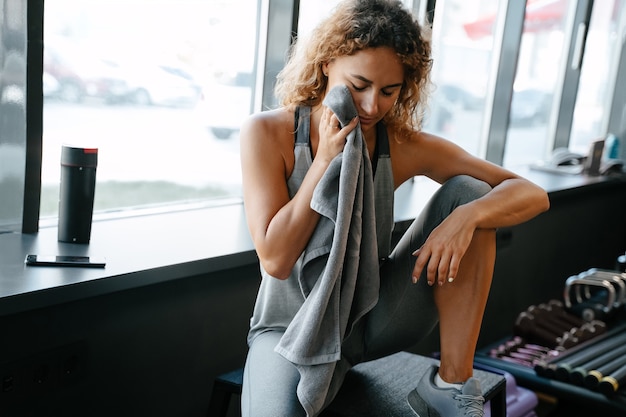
x,y
444,248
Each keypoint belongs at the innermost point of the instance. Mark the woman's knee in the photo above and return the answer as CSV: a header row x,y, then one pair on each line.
x,y
465,188
453,193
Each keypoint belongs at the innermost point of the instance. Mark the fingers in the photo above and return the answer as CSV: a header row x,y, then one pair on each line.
x,y
329,120
332,123
330,126
332,137
352,124
441,268
454,269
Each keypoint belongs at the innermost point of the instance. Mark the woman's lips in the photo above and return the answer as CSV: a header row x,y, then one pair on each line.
x,y
366,120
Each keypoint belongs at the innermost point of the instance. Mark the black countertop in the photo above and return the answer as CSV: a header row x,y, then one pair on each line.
x,y
156,247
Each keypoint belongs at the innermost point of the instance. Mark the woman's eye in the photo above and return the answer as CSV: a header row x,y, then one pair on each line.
x,y
358,88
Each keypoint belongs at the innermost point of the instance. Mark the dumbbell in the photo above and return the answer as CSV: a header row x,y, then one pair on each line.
x,y
518,351
527,326
546,320
553,317
558,312
578,327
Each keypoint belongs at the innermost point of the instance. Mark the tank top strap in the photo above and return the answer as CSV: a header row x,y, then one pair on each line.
x,y
302,124
382,140
384,187
302,149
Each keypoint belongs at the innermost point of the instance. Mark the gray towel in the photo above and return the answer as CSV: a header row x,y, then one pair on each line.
x,y
340,277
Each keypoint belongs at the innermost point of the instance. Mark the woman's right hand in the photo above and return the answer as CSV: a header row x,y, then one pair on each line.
x,y
332,137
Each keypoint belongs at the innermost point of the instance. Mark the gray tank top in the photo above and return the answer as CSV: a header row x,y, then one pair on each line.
x,y
279,300
381,166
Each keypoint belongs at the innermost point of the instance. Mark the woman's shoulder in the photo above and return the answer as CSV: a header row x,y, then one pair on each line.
x,y
276,124
406,139
419,153
271,119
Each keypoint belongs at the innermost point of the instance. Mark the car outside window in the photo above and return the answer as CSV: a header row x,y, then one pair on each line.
x,y
161,100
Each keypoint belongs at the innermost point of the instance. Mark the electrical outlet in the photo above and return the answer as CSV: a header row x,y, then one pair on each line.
x,y
13,381
72,365
8,383
43,372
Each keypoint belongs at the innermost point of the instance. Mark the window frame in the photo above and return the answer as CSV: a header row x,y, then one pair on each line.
x,y
34,116
617,112
577,28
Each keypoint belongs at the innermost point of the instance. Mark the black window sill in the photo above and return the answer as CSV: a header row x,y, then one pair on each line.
x,y
153,248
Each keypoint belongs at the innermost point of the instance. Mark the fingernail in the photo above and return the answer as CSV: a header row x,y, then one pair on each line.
x,y
450,279
414,280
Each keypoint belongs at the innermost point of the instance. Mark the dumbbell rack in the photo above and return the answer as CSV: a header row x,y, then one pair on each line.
x,y
550,379
574,357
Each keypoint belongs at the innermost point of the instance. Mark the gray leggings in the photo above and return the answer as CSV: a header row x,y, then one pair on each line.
x,y
404,315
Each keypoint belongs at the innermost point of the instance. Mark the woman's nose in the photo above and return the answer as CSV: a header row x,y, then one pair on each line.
x,y
370,104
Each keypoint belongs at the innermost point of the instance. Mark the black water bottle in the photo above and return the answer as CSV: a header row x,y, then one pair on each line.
x,y
78,185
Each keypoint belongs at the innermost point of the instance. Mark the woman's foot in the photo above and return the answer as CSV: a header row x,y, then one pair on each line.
x,y
428,400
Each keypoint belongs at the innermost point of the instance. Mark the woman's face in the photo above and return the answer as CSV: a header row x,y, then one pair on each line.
x,y
374,77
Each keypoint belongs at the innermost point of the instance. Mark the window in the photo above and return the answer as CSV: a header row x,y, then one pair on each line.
x,y
542,52
597,75
162,100
311,12
12,111
462,54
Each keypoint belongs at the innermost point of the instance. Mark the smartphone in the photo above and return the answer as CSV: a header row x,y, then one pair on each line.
x,y
65,260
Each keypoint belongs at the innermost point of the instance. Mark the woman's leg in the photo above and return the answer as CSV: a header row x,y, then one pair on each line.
x,y
461,305
269,381
407,312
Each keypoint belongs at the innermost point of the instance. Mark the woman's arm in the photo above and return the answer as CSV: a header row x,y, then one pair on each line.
x,y
281,227
512,200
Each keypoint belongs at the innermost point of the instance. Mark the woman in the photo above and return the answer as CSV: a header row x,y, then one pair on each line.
x,y
439,272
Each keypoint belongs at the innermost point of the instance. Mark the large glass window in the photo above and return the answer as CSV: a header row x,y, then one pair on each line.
x,y
12,112
159,87
541,53
600,60
311,12
462,53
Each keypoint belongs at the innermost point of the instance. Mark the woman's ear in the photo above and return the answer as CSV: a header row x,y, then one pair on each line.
x,y
325,69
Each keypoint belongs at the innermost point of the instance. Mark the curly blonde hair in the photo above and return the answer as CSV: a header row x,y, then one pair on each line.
x,y
353,26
